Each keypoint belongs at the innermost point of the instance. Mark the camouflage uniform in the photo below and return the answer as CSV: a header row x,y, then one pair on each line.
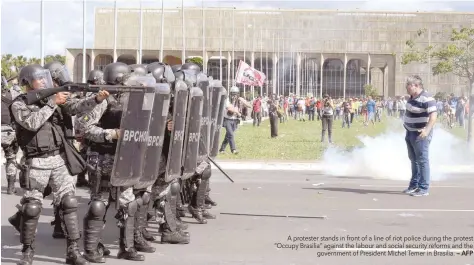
x,y
10,149
47,167
100,165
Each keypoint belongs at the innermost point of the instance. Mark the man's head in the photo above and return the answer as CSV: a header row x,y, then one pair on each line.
x,y
96,77
35,77
414,85
116,73
59,73
234,91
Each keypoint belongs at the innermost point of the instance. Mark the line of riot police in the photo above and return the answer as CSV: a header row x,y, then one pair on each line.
x,y
142,150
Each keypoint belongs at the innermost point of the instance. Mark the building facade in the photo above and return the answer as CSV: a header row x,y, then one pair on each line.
x,y
300,51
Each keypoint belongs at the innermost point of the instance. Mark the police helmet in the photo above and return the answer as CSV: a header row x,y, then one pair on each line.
x,y
33,72
157,71
234,89
116,73
191,67
138,69
176,68
95,77
59,72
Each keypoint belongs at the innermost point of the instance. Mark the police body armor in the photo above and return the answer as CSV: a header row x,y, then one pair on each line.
x,y
6,118
47,141
218,103
110,120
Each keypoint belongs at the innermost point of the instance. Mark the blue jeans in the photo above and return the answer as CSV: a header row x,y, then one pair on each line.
x,y
418,152
230,127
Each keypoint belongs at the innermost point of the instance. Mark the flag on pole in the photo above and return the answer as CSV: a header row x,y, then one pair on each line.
x,y
249,76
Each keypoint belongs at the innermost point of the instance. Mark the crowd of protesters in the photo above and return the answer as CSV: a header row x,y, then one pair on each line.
x,y
454,109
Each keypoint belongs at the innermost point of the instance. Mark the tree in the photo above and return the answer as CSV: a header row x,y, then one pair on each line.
x,y
455,57
196,60
370,90
11,65
440,95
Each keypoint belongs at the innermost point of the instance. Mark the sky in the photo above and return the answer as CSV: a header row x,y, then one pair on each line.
x,y
63,24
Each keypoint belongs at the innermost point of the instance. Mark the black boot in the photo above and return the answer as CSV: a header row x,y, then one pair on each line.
x,y
30,214
15,220
206,214
197,214
11,184
27,255
103,250
208,200
141,244
73,255
58,232
92,234
127,251
68,208
173,237
141,222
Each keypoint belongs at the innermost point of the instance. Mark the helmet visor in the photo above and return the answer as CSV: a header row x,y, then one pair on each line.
x,y
61,76
40,79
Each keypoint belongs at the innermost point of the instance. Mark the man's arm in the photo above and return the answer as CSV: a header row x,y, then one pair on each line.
x,y
433,112
87,125
75,106
32,120
245,102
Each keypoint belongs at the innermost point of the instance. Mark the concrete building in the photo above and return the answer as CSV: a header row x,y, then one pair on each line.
x,y
300,51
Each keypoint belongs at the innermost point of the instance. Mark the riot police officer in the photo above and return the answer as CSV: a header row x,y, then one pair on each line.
x,y
9,143
41,130
232,118
101,128
166,194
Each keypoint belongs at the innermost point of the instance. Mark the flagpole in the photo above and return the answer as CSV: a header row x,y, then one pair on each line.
x,y
252,64
220,46
245,42
274,78
204,62
261,55
115,31
278,66
162,29
282,91
42,32
140,49
184,34
233,46
291,69
84,55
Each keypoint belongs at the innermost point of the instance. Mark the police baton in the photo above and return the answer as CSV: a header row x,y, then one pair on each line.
x,y
220,169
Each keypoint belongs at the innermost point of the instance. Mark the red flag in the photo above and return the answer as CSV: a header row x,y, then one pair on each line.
x,y
249,76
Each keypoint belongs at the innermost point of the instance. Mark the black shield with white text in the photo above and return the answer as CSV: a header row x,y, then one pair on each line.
x,y
193,131
204,142
215,88
216,134
156,135
175,154
132,143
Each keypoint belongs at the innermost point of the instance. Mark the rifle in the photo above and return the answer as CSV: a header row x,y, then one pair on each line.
x,y
33,97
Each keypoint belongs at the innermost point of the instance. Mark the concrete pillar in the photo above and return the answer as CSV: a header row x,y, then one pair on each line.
x,y
91,65
138,57
115,55
321,79
345,74
384,87
391,77
230,82
274,73
298,74
368,69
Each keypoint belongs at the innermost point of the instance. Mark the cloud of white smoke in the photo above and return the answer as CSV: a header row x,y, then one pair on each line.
x,y
385,156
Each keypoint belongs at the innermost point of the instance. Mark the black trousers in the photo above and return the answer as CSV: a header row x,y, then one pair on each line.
x,y
273,125
327,121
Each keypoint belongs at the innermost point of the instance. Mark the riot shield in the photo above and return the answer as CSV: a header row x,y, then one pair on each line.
x,y
193,130
180,105
156,135
215,95
203,84
216,134
132,143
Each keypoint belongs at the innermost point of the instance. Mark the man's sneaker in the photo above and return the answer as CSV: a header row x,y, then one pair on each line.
x,y
235,152
420,193
410,190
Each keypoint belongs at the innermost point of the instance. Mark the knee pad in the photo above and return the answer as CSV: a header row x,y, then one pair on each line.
x,y
146,198
206,174
175,188
69,204
97,210
31,209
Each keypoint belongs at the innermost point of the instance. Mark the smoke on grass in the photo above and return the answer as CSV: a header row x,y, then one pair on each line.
x,y
385,156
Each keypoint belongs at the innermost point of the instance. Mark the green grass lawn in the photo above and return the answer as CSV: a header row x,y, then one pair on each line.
x,y
296,140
